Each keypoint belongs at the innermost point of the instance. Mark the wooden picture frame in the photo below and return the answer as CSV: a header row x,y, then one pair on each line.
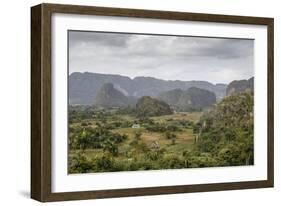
x,y
41,116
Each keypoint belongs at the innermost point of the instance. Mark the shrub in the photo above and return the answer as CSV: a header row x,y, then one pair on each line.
x,y
172,162
155,154
103,163
78,163
202,160
110,147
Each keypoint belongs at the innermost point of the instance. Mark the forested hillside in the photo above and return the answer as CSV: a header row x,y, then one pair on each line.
x,y
192,99
226,132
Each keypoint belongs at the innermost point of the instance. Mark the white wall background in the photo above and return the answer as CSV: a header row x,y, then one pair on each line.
x,y
15,102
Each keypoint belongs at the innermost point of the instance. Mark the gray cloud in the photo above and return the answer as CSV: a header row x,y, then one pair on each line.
x,y
216,60
105,39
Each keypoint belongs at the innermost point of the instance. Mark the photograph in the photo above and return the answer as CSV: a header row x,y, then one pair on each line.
x,y
134,102
156,102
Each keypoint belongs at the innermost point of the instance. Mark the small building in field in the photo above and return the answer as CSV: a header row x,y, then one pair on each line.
x,y
135,126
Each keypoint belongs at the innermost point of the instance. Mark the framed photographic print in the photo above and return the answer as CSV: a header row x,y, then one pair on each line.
x,y
130,102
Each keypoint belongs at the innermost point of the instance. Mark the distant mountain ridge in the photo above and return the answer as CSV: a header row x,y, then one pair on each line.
x,y
84,87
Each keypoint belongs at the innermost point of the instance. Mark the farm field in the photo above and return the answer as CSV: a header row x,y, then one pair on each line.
x,y
140,139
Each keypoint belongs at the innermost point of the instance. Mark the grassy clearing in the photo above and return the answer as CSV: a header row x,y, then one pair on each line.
x,y
191,116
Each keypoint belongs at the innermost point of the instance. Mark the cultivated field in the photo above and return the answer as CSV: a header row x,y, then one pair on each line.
x,y
171,134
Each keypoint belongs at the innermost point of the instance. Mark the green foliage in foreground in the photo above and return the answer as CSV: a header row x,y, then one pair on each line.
x,y
96,138
224,137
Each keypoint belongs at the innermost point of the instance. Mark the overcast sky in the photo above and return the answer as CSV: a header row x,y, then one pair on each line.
x,y
215,60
